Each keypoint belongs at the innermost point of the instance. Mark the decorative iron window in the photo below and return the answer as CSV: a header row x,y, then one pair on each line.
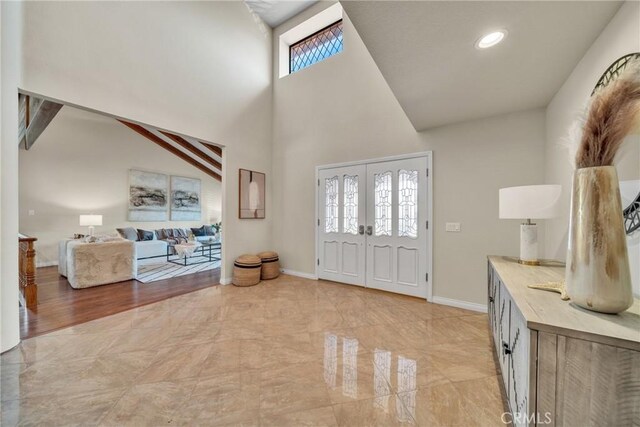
x,y
315,48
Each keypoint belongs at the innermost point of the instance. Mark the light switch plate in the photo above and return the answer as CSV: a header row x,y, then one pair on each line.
x,y
452,227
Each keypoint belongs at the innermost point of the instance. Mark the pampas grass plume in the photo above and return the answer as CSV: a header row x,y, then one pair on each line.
x,y
613,114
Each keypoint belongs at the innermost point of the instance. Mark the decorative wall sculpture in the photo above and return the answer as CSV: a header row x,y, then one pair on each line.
x,y
147,196
631,210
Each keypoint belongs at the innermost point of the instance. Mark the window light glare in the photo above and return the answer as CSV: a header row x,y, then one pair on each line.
x,y
491,39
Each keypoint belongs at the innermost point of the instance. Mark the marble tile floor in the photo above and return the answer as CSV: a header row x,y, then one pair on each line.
x,y
286,352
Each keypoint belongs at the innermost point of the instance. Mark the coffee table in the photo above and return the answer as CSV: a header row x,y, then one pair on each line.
x,y
185,253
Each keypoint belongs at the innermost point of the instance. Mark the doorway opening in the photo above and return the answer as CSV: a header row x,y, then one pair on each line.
x,y
111,211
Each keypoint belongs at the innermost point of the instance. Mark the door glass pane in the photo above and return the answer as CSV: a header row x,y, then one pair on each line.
x,y
331,205
350,224
382,203
408,204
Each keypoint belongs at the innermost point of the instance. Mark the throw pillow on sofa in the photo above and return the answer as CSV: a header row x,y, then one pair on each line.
x,y
145,235
180,232
128,233
208,230
198,232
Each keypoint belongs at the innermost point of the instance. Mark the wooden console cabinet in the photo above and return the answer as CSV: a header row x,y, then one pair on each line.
x,y
561,365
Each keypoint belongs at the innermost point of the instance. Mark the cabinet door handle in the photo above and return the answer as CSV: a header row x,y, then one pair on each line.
x,y
505,348
490,299
361,229
369,230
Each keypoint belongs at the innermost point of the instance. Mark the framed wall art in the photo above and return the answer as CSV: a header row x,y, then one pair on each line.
x,y
185,199
148,193
252,195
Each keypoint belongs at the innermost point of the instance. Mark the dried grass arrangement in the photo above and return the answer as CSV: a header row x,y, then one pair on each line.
x,y
598,275
614,113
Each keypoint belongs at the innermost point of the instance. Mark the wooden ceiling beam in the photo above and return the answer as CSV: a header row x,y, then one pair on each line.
x,y
23,119
217,150
192,149
170,148
37,121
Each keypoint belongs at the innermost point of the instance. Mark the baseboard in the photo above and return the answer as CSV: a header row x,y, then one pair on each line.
x,y
46,264
460,304
299,274
226,281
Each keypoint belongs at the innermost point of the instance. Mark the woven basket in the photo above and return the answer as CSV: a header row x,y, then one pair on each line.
x,y
246,270
270,265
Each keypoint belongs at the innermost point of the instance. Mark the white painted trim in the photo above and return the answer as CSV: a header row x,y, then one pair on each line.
x,y
46,264
226,281
316,222
429,156
460,304
299,274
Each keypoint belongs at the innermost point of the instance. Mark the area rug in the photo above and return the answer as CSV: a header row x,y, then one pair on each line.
x,y
166,270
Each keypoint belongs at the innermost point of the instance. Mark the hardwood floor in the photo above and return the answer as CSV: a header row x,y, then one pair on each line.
x,y
60,306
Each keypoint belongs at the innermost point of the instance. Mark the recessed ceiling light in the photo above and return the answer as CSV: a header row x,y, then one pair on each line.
x,y
491,39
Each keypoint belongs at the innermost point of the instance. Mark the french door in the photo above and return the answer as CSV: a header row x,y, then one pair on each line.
x,y
373,225
341,224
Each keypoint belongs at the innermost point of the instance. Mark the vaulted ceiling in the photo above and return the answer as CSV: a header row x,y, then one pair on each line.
x,y
426,52
36,113
275,12
201,155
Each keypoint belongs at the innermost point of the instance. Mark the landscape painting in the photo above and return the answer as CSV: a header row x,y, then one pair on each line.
x,y
185,199
148,193
252,189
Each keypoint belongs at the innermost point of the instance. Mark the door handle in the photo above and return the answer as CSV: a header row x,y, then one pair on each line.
x,y
505,348
361,229
369,230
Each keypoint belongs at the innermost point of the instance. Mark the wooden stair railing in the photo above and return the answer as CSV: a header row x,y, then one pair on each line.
x,y
27,263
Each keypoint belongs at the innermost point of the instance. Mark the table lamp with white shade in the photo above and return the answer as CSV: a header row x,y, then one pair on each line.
x,y
529,202
90,221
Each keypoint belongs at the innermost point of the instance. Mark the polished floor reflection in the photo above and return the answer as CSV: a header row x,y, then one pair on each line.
x,y
287,352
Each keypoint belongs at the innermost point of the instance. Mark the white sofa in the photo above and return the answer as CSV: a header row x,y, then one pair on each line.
x,y
152,251
149,251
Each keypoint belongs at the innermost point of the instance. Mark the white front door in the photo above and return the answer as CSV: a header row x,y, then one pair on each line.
x,y
372,225
341,256
397,226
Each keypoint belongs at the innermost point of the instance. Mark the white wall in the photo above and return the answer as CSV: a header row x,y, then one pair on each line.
x,y
198,68
564,114
80,164
10,75
342,109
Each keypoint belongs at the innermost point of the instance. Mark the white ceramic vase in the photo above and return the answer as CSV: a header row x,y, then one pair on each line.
x,y
598,276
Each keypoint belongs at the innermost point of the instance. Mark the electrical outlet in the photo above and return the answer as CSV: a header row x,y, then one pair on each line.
x,y
32,212
452,227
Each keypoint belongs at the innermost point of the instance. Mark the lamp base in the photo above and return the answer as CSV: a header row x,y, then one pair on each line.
x,y
529,244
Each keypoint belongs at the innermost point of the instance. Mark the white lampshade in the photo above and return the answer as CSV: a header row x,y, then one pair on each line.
x,y
90,220
530,202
